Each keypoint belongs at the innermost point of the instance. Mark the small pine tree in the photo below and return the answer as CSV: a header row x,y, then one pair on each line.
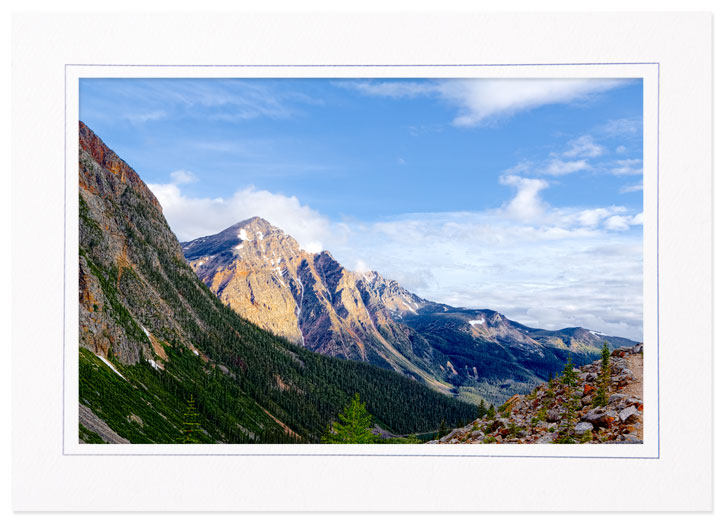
x,y
568,377
491,412
481,409
602,396
569,380
353,425
191,422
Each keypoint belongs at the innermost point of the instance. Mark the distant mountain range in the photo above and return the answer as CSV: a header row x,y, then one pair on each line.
x,y
310,299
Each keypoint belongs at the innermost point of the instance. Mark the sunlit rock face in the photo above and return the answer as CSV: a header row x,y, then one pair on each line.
x,y
310,299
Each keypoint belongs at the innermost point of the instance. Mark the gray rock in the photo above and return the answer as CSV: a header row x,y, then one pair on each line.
x,y
553,415
599,417
628,413
546,439
582,427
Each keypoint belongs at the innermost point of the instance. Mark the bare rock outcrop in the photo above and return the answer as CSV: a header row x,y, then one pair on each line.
x,y
545,416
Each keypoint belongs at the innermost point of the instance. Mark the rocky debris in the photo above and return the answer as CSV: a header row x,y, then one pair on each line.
x,y
92,422
542,416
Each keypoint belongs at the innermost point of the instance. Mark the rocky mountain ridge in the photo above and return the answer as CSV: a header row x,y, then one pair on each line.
x,y
546,416
311,299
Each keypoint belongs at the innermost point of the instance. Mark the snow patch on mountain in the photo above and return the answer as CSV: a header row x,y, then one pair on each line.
x,y
110,366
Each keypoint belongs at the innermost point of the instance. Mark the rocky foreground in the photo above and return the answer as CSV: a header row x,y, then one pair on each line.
x,y
556,413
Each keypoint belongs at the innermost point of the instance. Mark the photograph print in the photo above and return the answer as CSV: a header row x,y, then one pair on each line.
x,y
428,261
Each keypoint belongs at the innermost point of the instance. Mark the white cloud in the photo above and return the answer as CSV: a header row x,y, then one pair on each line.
x,y
142,118
552,274
361,267
183,177
557,167
617,222
143,100
622,126
621,149
632,187
627,167
623,222
584,146
484,99
527,205
541,265
592,217
191,217
392,89
479,101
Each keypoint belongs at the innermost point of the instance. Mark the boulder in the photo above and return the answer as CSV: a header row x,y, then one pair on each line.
x,y
627,413
546,439
614,398
583,427
599,418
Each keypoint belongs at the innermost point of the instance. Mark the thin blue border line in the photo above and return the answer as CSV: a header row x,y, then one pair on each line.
x,y
65,225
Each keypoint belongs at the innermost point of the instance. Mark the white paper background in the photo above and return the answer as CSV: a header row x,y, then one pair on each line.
x,y
46,479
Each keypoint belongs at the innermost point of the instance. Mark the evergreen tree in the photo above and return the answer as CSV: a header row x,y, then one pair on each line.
x,y
191,422
491,412
481,409
353,425
602,396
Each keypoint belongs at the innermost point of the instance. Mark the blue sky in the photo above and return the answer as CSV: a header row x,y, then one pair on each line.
x,y
449,186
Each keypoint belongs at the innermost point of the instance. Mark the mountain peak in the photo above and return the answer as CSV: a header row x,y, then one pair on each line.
x,y
253,224
255,233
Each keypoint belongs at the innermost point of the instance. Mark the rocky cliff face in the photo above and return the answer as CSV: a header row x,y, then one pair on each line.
x,y
153,337
310,299
560,413
122,231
